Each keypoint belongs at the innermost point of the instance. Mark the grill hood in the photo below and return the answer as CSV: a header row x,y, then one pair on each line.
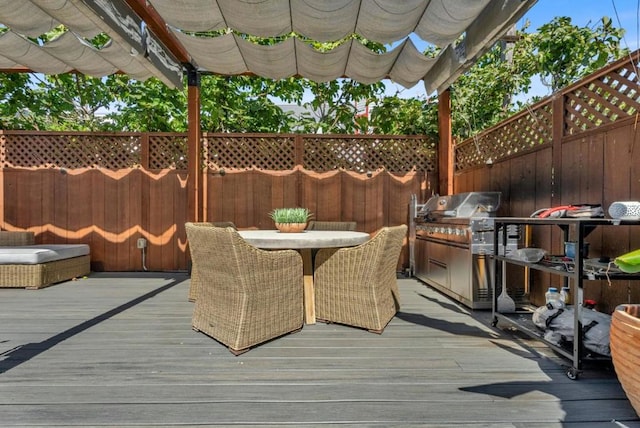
x,y
461,205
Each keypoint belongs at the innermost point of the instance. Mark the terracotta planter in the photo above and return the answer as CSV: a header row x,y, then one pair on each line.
x,y
625,350
291,227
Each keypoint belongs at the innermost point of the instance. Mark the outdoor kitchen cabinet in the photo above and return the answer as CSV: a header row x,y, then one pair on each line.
x,y
450,238
573,230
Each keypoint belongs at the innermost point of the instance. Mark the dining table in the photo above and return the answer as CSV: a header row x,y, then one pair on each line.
x,y
305,242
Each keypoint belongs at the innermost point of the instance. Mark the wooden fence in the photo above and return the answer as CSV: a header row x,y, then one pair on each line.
x,y
581,145
110,189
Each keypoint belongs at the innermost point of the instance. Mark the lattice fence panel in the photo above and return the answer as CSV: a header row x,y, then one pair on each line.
x,y
523,132
69,151
611,97
361,154
250,152
232,152
168,151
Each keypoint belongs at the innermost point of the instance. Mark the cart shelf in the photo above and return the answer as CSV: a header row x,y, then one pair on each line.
x,y
575,272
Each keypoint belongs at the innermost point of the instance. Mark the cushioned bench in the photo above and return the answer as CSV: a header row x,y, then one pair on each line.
x,y
25,265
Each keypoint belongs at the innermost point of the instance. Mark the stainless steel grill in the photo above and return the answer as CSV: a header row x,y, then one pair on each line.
x,y
451,237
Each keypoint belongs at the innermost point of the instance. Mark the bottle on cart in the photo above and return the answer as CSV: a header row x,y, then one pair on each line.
x,y
554,301
565,295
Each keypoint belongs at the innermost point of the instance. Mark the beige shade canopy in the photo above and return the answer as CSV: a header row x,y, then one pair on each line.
x,y
163,38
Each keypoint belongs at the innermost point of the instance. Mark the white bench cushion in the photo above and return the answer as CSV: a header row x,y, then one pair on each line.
x,y
36,254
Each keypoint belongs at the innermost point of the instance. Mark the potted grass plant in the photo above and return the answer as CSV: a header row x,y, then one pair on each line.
x,y
290,220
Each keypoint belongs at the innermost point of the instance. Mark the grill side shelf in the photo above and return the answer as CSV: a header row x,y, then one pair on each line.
x,y
575,275
546,267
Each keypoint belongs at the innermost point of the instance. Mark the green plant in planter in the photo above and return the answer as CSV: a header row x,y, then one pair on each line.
x,y
290,215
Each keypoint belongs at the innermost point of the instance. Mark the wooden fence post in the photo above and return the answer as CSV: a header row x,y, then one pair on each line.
x,y
557,132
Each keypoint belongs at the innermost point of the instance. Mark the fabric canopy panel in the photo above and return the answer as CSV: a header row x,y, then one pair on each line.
x,y
463,29
230,54
22,51
67,53
439,22
32,18
390,22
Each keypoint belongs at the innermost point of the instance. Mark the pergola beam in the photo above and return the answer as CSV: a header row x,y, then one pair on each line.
x,y
158,26
120,16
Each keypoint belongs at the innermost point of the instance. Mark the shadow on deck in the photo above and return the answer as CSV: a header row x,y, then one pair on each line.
x,y
118,350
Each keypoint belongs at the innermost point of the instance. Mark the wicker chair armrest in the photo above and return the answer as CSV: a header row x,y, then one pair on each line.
x,y
277,268
351,264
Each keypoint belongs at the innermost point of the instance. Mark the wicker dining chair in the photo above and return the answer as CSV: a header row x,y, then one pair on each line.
x,y
331,225
248,296
193,272
357,286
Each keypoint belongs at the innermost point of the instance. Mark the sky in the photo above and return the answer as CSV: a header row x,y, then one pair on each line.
x,y
624,14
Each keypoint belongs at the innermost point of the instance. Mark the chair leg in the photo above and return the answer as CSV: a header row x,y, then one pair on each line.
x,y
237,352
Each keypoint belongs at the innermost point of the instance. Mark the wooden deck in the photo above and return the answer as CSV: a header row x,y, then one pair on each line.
x,y
118,350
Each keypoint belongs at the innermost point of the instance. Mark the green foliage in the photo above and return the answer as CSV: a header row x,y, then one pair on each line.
x,y
414,116
61,102
481,97
241,104
334,105
559,53
14,99
290,215
562,52
146,106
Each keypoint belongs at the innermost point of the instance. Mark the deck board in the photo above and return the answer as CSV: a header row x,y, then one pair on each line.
x,y
118,350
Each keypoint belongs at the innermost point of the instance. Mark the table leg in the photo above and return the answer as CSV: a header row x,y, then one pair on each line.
x,y
309,297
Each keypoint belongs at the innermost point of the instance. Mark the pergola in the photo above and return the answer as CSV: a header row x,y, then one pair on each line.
x,y
169,39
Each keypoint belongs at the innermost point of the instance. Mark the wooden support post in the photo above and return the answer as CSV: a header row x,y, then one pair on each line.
x,y
445,145
557,133
194,180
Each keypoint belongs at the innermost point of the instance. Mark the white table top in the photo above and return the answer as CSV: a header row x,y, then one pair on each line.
x,y
274,239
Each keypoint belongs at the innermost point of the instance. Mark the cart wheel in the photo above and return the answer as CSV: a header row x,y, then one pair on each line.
x,y
494,322
572,373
